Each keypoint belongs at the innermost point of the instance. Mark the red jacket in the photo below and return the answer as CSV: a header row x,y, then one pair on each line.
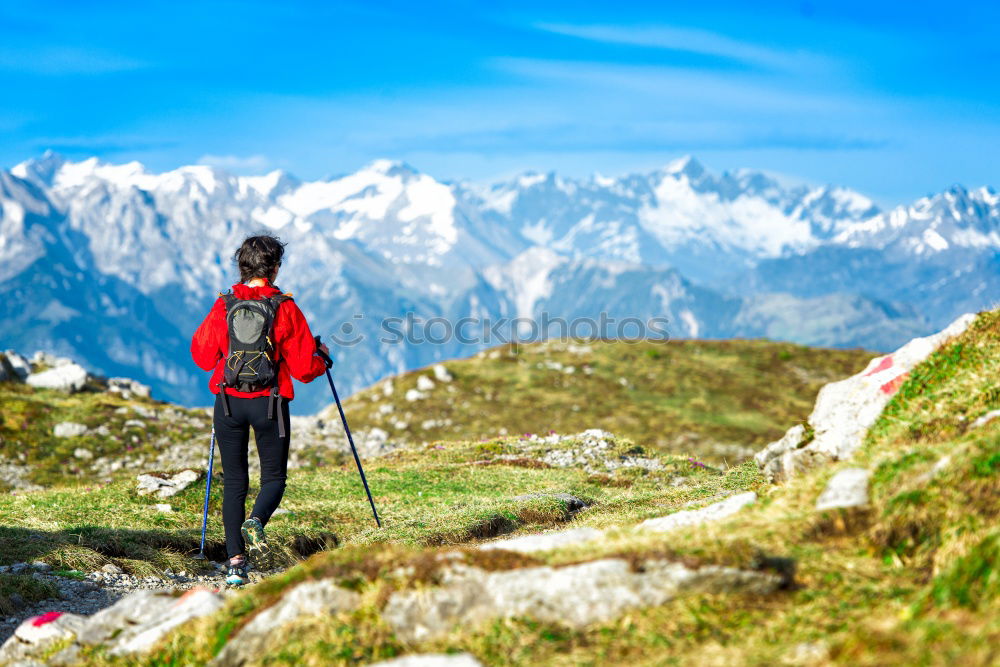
x,y
295,347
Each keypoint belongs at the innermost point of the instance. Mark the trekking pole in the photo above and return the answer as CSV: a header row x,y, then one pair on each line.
x,y
208,490
329,363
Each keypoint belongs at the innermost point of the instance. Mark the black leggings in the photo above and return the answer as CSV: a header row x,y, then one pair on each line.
x,y
233,436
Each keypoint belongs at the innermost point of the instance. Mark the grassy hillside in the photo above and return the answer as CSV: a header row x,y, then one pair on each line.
x,y
910,580
124,436
718,399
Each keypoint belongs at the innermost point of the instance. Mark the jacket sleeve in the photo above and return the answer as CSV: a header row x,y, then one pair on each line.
x,y
296,343
208,339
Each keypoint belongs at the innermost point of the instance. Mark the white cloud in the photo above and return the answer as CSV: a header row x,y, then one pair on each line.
x,y
692,40
681,87
250,163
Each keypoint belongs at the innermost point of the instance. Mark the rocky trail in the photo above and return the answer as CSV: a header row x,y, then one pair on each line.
x,y
87,594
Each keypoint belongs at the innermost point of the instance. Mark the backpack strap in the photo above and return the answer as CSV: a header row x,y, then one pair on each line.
x,y
228,298
279,299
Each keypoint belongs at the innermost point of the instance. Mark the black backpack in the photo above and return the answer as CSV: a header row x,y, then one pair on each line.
x,y
250,363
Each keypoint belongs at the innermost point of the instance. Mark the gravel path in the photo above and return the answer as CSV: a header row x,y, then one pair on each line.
x,y
102,589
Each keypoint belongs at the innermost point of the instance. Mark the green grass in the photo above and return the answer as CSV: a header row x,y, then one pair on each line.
x,y
437,496
720,400
28,416
910,580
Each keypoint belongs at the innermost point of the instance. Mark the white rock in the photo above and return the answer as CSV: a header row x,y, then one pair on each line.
x,y
67,377
713,512
140,638
37,633
442,374
575,595
165,488
7,372
163,507
985,419
46,359
83,454
847,488
545,541
128,386
432,660
779,456
20,364
68,429
313,598
414,395
424,383
845,410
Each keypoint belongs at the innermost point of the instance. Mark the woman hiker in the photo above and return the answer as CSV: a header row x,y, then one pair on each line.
x,y
255,340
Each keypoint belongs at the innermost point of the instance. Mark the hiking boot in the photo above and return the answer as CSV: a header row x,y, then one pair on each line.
x,y
256,542
236,571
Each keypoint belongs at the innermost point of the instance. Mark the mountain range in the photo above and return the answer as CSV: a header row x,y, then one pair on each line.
x,y
116,265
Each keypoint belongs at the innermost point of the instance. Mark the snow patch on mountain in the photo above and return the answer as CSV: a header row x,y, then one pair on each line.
x,y
526,278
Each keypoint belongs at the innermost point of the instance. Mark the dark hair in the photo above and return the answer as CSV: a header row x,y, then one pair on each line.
x,y
259,257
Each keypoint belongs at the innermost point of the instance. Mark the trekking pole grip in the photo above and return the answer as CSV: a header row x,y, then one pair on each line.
x,y
325,357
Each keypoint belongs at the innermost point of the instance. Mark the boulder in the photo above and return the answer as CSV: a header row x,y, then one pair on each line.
x,y
68,377
128,387
19,363
68,429
35,635
441,374
713,512
136,609
141,637
165,487
574,595
312,598
847,488
83,454
845,410
526,544
7,372
432,660
424,383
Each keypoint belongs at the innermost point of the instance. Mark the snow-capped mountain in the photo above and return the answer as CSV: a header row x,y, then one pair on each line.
x,y
940,254
117,265
707,226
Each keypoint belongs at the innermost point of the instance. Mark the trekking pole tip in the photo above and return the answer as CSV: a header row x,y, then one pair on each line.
x,y
201,556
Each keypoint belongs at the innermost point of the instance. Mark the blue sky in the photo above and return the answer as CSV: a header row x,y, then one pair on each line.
x,y
897,100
